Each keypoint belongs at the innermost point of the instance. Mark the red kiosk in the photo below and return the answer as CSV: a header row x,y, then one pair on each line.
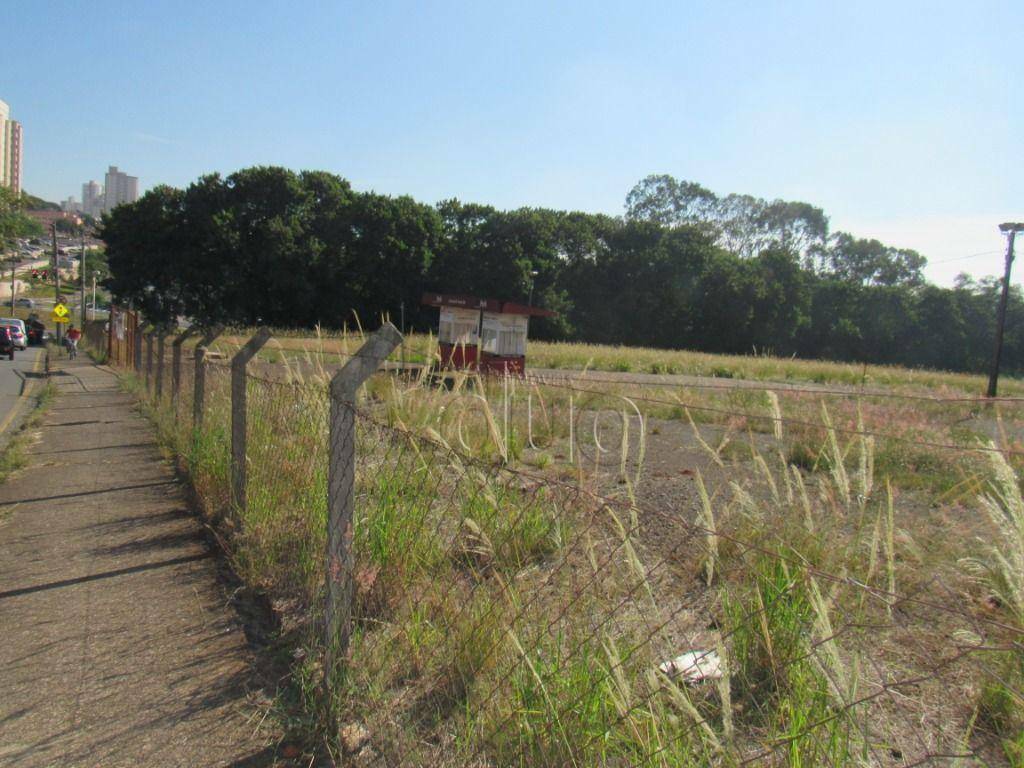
x,y
486,334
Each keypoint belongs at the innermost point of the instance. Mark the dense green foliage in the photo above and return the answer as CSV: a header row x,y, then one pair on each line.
x,y
683,268
33,203
13,221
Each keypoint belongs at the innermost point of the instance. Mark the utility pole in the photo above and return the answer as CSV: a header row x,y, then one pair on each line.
x,y
56,276
81,268
1010,229
94,295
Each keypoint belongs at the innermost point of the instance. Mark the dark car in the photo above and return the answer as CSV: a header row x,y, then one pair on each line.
x,y
6,342
36,329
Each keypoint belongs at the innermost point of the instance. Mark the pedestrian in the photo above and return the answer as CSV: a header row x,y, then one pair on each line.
x,y
72,336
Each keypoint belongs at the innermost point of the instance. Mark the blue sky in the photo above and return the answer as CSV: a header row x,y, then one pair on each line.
x,y
902,120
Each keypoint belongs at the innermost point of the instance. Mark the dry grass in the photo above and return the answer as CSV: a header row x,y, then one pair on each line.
x,y
575,356
514,609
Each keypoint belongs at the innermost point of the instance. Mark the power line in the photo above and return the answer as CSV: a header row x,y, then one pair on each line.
x,y
963,258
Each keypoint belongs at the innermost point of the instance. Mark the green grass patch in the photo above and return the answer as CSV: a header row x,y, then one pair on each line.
x,y
13,456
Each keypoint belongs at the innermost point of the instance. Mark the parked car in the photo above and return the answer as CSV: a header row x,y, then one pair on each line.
x,y
19,333
36,330
17,336
6,342
24,301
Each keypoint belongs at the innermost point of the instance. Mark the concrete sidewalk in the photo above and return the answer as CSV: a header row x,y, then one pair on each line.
x,y
118,645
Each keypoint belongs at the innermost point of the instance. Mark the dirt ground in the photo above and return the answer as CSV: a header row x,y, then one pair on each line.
x,y
120,644
905,723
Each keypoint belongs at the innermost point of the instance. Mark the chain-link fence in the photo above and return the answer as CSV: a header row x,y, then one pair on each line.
x,y
468,609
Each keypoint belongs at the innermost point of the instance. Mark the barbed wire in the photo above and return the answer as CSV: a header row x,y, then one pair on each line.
x,y
798,422
692,527
770,385
757,385
436,487
735,413
626,505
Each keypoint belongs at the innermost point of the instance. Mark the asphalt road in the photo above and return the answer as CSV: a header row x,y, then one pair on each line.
x,y
18,378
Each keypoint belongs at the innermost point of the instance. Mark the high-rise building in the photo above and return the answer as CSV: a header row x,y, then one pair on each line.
x,y
70,205
92,199
13,140
119,188
5,115
10,150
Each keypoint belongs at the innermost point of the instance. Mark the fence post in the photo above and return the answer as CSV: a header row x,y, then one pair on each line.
x,y
137,346
176,364
111,359
238,413
149,362
160,348
199,376
341,490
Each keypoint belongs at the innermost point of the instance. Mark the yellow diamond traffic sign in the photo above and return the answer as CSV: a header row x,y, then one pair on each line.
x,y
59,310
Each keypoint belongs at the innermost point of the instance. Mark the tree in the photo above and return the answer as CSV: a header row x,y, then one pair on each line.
x,y
33,203
393,245
143,248
664,200
743,224
13,221
872,263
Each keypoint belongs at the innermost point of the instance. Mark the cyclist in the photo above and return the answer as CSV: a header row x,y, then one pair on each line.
x,y
72,337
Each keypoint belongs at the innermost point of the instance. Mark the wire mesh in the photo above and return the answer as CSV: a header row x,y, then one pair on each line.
x,y
543,626
581,610
286,505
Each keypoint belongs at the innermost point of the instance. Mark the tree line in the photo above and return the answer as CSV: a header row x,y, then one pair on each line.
x,y
684,268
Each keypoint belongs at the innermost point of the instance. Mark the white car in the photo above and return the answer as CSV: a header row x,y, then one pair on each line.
x,y
20,335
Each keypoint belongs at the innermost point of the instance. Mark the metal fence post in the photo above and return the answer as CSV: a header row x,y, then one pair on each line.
x,y
238,413
341,490
149,362
199,376
176,365
160,348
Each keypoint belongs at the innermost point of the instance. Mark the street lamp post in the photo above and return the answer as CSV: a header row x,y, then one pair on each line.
x,y
533,279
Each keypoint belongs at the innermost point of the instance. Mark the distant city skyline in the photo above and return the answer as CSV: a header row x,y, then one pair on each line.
x,y
893,118
118,188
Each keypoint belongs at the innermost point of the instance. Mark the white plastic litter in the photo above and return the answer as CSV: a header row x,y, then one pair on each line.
x,y
694,666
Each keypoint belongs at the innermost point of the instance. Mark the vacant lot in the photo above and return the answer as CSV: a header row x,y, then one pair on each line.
x,y
845,558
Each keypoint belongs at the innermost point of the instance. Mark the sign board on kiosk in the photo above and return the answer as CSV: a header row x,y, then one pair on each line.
x,y
485,334
459,331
